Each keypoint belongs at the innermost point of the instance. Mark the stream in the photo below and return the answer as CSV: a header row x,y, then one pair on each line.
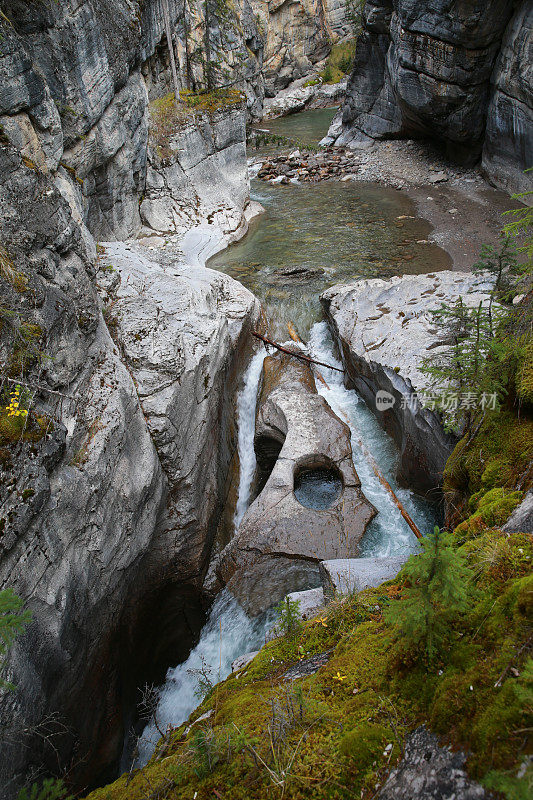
x,y
309,238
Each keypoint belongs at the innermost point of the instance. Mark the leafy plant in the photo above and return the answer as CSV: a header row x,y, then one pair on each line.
x,y
437,591
204,677
12,622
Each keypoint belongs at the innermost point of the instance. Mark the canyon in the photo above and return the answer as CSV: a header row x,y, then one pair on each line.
x,y
116,517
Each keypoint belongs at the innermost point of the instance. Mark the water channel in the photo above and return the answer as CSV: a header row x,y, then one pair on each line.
x,y
309,238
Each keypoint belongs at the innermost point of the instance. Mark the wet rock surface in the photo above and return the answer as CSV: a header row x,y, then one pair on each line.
x,y
279,543
384,330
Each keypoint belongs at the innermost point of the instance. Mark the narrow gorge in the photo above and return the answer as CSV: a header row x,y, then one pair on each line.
x,y
250,252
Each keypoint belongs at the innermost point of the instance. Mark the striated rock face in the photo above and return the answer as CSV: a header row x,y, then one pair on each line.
x,y
75,83
457,72
107,513
509,132
282,537
298,35
384,330
107,519
205,176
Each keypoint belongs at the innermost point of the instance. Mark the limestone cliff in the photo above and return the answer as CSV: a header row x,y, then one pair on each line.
x,y
457,72
297,35
111,496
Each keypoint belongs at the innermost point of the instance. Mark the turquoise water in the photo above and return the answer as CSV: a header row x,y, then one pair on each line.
x,y
307,127
315,235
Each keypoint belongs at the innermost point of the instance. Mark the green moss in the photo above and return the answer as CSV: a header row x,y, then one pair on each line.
x,y
498,457
350,719
491,509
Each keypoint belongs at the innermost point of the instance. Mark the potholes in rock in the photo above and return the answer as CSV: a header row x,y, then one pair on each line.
x,y
267,450
318,488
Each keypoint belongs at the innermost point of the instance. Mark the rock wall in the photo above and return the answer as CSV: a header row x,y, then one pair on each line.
x,y
110,502
384,330
457,72
281,540
297,35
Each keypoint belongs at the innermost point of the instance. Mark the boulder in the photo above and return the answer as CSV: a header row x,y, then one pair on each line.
x,y
309,602
348,576
428,771
384,330
242,661
521,520
280,541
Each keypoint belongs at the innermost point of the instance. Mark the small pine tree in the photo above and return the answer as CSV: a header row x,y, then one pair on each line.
x,y
463,366
50,789
501,263
289,622
437,591
12,622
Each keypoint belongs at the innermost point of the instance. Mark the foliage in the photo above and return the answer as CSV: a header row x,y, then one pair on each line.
x,y
521,224
204,677
12,622
502,264
50,789
289,623
339,62
436,592
465,373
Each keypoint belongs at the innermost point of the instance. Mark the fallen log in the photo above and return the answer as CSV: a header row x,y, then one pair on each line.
x,y
300,356
366,452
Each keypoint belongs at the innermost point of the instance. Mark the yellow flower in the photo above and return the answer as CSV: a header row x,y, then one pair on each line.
x,y
338,677
322,621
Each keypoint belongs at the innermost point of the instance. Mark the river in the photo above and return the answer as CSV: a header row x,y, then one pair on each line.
x,y
310,237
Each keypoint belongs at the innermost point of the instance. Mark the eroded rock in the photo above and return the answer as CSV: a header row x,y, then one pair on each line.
x,y
280,542
384,329
462,78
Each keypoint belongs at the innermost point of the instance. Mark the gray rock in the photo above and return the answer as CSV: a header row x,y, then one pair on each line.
x,y
384,330
280,542
461,78
509,133
430,772
204,178
351,575
298,37
307,666
243,661
309,602
521,520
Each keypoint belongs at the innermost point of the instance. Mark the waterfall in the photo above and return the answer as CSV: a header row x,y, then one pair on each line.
x,y
388,534
246,404
227,634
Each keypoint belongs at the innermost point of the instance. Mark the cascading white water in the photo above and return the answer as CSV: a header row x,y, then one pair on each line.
x,y
388,534
246,403
227,634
